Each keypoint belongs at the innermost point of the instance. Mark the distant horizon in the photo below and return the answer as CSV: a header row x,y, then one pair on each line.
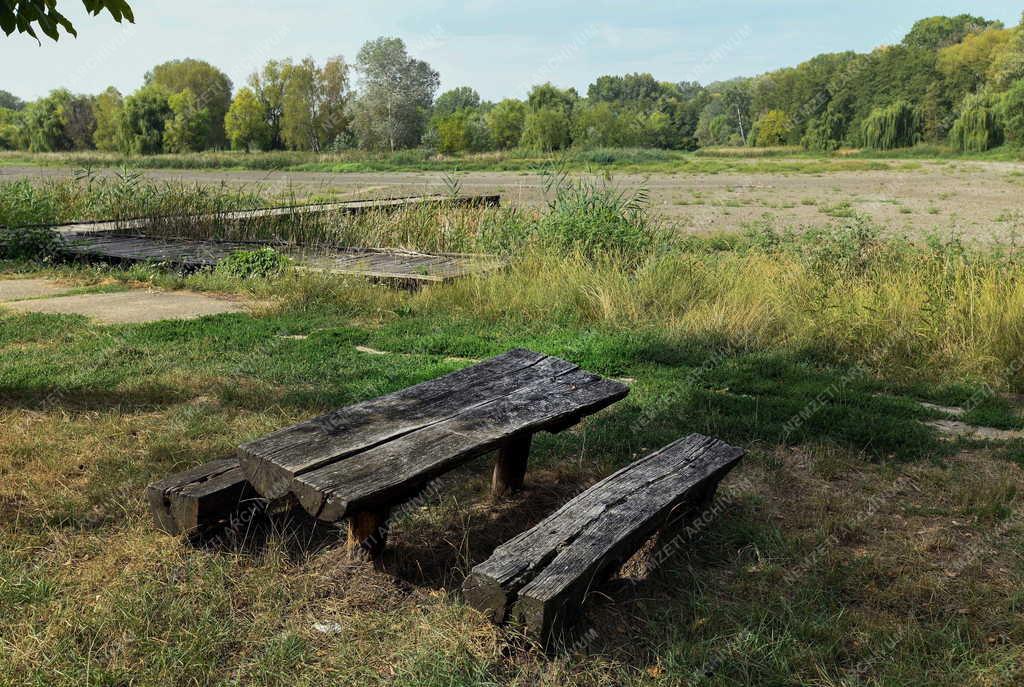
x,y
701,41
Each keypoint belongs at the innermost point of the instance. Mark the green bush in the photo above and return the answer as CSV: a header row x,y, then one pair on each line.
x,y
261,263
594,219
29,243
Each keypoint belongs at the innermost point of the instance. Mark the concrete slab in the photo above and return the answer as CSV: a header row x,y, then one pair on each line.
x,y
20,289
134,306
954,429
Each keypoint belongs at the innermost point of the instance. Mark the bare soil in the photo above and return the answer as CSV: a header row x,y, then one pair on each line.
x,y
973,200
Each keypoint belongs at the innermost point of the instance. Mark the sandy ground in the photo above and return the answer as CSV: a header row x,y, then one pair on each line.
x,y
137,305
983,200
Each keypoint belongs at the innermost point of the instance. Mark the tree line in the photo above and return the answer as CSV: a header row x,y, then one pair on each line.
x,y
951,79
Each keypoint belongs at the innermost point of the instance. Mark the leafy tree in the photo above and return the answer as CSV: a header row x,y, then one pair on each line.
x,y
397,92
9,101
825,133
1007,63
737,101
211,87
547,129
463,130
145,117
935,33
108,109
246,122
450,102
966,65
977,128
506,121
637,89
25,16
772,129
1011,112
43,123
10,125
188,126
315,105
548,96
600,124
269,85
895,126
78,118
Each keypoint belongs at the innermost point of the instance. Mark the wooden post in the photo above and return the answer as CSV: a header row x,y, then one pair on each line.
x,y
510,467
367,535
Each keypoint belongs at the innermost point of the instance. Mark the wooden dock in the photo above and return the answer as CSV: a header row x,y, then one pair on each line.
x,y
351,207
402,267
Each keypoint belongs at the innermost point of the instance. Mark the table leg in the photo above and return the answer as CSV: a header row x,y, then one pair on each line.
x,y
510,467
367,535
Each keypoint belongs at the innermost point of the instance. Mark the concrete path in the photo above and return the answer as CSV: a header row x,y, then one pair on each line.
x,y
20,289
125,307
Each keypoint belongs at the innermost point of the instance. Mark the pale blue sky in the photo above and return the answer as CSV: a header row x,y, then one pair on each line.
x,y
499,48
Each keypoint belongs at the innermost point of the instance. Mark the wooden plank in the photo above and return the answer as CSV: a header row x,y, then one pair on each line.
x,y
540,578
406,267
294,211
272,462
395,471
199,497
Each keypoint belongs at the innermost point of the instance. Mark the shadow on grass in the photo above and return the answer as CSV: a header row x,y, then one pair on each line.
x,y
75,400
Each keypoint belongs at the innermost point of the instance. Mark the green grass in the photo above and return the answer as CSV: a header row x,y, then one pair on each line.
x,y
159,397
858,546
613,159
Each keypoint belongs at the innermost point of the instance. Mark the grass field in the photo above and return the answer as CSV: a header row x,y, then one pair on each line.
x,y
783,160
859,546
792,161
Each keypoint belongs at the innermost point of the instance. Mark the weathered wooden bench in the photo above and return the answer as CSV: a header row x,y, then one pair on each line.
x,y
358,462
201,497
539,579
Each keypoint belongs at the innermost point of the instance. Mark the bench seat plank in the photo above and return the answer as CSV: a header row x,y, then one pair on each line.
x,y
540,578
397,470
272,462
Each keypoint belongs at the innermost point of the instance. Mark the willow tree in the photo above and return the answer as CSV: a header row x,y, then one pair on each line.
x,y
895,126
977,128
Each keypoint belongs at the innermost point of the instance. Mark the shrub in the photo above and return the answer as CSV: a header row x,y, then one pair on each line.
x,y
261,263
29,243
594,219
895,126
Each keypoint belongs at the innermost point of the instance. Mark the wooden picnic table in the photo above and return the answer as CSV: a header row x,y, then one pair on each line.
x,y
358,462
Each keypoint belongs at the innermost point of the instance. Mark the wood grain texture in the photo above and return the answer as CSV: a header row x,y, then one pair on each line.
x,y
394,471
199,497
191,254
510,466
540,578
272,462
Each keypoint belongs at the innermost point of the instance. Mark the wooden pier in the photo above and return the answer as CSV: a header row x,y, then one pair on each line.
x,y
397,266
351,207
